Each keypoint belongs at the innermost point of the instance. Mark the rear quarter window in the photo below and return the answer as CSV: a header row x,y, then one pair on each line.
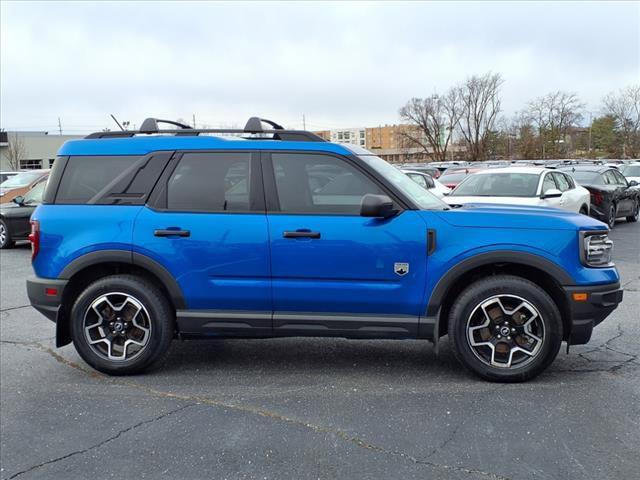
x,y
85,176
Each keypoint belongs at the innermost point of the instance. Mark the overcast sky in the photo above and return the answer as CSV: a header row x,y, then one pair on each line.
x,y
341,64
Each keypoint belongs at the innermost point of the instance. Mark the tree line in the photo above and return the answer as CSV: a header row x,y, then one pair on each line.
x,y
467,122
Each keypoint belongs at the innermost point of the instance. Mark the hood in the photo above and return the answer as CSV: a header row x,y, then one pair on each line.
x,y
486,215
462,199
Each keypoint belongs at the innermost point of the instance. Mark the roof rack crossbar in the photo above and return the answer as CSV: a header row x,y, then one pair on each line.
x,y
253,126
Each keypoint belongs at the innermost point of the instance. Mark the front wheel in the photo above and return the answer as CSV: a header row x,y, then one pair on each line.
x,y
636,212
505,329
5,236
122,324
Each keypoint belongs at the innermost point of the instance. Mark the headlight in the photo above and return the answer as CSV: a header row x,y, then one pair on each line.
x,y
596,249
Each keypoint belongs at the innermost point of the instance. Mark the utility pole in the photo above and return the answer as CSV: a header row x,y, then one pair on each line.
x,y
304,122
59,126
194,120
590,125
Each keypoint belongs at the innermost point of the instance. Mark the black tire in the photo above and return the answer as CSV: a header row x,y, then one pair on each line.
x,y
611,216
584,210
158,314
5,236
513,288
636,212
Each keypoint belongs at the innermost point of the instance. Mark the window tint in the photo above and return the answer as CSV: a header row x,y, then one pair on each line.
x,y
609,178
620,180
213,182
548,183
308,183
85,176
561,181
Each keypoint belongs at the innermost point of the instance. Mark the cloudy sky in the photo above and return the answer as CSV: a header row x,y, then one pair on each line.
x,y
340,64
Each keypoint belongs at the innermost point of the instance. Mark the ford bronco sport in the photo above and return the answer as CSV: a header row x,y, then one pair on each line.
x,y
150,235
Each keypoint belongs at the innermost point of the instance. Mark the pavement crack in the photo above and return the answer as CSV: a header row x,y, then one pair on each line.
x,y
2,310
194,399
100,444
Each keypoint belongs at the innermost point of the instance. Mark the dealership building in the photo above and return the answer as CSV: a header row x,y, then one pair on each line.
x,y
30,149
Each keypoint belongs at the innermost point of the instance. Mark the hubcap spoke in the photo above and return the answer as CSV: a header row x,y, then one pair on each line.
x,y
117,326
505,331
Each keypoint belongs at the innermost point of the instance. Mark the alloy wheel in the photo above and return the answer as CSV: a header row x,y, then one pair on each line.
x,y
3,235
612,216
505,331
117,326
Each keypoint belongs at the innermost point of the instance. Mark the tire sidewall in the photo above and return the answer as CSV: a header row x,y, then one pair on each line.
x,y
505,285
160,314
611,220
7,243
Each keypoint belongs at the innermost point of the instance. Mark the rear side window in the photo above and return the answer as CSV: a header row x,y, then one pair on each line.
x,y
211,182
84,177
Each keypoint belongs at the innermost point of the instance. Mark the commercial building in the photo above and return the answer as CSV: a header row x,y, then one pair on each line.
x,y
30,150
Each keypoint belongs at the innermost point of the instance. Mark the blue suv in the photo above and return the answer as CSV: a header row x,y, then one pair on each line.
x,y
150,235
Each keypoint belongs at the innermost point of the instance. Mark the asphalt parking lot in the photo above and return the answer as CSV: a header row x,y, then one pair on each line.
x,y
317,408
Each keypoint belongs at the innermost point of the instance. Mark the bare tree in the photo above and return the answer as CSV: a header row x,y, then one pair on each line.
x,y
553,115
431,123
479,107
624,106
16,151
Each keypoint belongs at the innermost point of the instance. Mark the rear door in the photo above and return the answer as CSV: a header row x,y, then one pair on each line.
x,y
627,195
335,272
206,224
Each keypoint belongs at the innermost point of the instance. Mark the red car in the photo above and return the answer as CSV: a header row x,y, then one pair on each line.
x,y
453,176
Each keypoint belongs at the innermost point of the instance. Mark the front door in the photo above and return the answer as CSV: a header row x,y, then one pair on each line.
x,y
335,272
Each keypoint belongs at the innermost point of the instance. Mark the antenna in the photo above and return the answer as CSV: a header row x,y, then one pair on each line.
x,y
117,122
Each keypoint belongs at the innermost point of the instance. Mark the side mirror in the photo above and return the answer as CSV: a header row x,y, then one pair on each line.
x,y
378,206
19,200
633,183
551,193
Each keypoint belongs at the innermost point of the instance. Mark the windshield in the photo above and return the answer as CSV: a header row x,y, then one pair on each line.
x,y
499,185
21,180
631,171
34,195
421,197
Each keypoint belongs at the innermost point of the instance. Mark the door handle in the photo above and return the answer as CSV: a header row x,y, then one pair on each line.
x,y
169,232
301,234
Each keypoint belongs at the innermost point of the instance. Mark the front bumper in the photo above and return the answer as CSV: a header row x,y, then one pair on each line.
x,y
600,301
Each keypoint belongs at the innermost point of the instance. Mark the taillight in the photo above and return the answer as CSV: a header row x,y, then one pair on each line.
x,y
596,196
450,185
34,238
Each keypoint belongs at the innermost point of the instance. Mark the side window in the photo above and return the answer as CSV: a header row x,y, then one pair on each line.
x,y
610,178
429,181
548,183
419,179
84,177
569,179
619,177
211,182
320,184
562,182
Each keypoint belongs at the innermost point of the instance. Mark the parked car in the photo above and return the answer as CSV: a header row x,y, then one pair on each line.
x,y
19,185
15,215
6,175
522,186
631,172
423,168
612,196
453,176
142,238
427,181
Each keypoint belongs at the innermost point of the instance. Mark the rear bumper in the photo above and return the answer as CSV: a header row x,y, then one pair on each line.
x,y
600,301
45,295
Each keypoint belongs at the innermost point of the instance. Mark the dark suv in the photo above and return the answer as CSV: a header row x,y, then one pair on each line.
x,y
146,236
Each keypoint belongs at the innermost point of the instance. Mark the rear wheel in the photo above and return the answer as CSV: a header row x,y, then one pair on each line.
x,y
5,236
505,329
636,212
122,324
611,216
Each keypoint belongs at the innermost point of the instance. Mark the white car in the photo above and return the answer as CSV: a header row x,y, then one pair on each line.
x,y
631,171
427,181
533,186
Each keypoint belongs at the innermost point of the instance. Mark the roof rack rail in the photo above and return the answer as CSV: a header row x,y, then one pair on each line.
x,y
252,127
